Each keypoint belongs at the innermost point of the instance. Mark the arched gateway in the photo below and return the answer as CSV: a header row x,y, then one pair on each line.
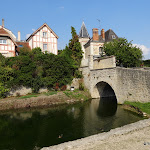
x,y
103,89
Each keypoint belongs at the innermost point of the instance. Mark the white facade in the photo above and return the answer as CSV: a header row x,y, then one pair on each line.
x,y
7,42
44,38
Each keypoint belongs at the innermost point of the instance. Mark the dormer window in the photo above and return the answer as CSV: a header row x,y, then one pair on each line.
x,y
113,37
44,34
3,41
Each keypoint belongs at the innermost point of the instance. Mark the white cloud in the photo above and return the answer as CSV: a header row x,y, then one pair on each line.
x,y
145,50
27,35
33,30
61,7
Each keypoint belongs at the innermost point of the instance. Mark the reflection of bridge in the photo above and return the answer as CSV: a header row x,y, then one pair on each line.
x,y
126,83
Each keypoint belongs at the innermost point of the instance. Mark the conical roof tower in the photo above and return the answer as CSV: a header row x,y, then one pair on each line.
x,y
83,32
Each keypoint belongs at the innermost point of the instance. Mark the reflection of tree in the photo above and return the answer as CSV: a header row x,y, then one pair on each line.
x,y
38,129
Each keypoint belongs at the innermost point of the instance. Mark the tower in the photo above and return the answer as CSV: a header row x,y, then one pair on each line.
x,y
83,37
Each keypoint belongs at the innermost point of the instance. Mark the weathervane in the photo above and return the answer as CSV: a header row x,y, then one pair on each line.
x,y
99,23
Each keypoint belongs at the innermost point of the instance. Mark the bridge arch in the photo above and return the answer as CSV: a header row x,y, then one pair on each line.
x,y
103,89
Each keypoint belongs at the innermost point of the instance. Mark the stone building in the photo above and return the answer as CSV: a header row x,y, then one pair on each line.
x,y
93,47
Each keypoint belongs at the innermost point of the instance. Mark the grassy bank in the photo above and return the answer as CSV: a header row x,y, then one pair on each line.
x,y
144,107
51,98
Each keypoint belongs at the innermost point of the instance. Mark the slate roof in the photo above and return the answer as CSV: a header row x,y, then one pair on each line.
x,y
83,32
110,35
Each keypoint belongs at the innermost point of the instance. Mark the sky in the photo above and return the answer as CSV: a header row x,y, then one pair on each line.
x,y
129,19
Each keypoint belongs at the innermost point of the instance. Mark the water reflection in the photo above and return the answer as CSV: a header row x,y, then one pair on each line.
x,y
46,127
107,106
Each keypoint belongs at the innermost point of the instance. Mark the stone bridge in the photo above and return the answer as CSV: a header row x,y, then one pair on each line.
x,y
132,84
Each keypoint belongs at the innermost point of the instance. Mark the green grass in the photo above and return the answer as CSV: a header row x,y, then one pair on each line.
x,y
28,96
76,95
145,107
50,93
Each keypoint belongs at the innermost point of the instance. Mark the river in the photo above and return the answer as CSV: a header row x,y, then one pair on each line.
x,y
37,128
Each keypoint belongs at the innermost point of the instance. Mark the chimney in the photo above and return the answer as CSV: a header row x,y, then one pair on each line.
x,y
19,36
103,34
3,23
95,34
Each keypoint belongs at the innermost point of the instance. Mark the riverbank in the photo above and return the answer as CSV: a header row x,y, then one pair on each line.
x,y
135,136
142,109
43,100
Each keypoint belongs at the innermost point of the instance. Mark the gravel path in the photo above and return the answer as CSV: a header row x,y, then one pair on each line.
x,y
135,136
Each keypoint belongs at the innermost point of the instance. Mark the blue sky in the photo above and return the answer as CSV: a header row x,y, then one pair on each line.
x,y
127,18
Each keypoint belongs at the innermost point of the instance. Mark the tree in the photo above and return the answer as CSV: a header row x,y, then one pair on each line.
x,y
6,76
75,47
126,54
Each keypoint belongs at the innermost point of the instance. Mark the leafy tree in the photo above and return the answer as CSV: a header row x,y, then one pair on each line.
x,y
146,63
75,47
6,76
125,53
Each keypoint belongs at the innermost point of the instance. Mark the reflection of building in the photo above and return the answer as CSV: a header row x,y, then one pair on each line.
x,y
94,46
44,37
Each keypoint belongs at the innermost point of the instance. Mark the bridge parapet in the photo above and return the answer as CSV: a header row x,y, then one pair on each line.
x,y
128,83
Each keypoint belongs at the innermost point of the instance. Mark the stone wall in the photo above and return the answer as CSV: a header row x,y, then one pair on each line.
x,y
128,83
24,91
104,62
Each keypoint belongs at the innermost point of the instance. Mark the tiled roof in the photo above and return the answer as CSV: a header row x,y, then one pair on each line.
x,y
83,32
3,32
22,44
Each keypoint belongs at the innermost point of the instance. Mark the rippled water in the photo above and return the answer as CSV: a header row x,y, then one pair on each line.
x,y
44,127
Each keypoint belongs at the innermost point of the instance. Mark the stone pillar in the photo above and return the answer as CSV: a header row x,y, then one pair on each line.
x,y
91,57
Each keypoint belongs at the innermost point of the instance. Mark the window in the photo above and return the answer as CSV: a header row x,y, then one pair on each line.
x,y
44,47
44,34
101,51
20,46
113,37
3,41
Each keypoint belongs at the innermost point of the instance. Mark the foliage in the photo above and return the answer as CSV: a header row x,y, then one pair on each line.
x,y
6,76
145,107
51,93
76,95
73,53
146,63
75,47
28,96
36,69
126,54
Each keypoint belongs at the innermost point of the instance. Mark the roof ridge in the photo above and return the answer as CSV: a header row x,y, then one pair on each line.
x,y
45,24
